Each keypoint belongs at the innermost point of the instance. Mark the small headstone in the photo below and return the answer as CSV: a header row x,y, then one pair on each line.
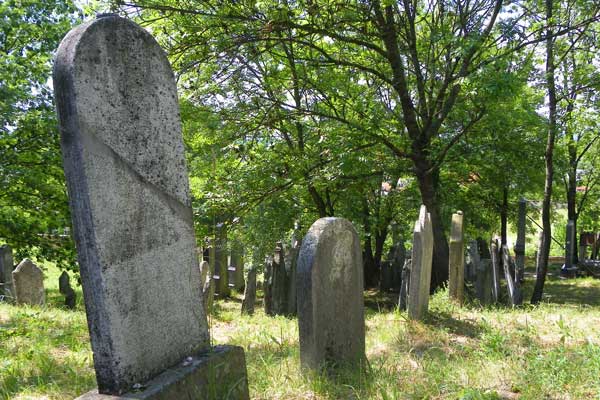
x,y
296,242
64,287
386,277
279,286
495,254
421,264
520,243
515,296
456,284
7,291
330,295
404,286
473,260
268,286
249,293
28,281
484,281
129,195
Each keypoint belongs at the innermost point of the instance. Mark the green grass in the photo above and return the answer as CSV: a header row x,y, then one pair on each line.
x,y
550,351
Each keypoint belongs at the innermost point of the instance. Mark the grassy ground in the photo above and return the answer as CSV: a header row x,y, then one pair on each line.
x,y
547,352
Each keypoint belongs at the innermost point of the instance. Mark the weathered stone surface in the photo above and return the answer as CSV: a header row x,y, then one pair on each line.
x,y
570,239
397,256
515,296
64,287
386,278
268,286
249,293
405,286
28,280
7,291
220,374
483,283
279,282
456,284
473,260
294,252
520,243
495,258
330,295
129,195
420,274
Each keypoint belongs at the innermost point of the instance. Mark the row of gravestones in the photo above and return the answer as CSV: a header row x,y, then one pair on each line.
x,y
133,225
24,283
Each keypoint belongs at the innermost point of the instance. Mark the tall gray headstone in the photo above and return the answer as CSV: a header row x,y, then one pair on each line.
x,y
456,259
520,243
296,242
515,296
28,280
495,258
268,286
330,295
570,244
64,287
249,292
129,195
279,286
7,291
404,286
420,274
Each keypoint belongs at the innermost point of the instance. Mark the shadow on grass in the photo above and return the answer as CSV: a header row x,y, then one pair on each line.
x,y
380,301
445,320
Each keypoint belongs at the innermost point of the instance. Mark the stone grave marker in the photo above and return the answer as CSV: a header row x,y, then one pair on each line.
x,y
404,285
7,291
495,259
268,286
64,287
129,195
296,242
221,274
208,286
386,277
28,281
421,264
330,296
520,243
514,291
249,292
473,260
398,257
279,286
456,284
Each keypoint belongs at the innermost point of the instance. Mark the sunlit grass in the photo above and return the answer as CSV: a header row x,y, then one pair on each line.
x,y
550,351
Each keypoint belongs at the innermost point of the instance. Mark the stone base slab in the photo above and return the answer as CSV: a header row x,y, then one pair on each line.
x,y
219,374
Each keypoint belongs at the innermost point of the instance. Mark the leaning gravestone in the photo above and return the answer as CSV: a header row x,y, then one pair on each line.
x,y
28,281
6,267
495,258
330,296
129,196
421,263
456,283
64,287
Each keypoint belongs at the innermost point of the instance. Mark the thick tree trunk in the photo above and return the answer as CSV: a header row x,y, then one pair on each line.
x,y
428,186
542,267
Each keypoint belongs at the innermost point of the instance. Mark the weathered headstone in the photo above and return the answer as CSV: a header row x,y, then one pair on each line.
x,y
28,281
129,195
386,278
268,286
279,286
7,291
570,244
296,242
473,260
520,243
64,287
330,295
515,296
420,274
249,292
404,285
495,254
456,284
397,257
484,281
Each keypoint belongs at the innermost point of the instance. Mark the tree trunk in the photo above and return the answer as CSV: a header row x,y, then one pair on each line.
x,y
572,192
428,186
542,267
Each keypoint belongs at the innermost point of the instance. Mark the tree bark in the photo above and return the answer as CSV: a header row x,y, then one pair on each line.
x,y
542,267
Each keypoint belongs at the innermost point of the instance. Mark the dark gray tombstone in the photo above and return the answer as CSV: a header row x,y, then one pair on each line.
x,y
520,244
398,257
28,281
386,277
279,284
484,281
7,291
249,293
129,196
421,264
64,287
473,260
456,259
404,286
330,296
